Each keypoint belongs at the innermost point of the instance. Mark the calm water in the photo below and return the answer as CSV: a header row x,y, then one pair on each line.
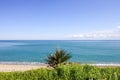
x,y
81,51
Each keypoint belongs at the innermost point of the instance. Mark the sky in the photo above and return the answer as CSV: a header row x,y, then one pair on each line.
x,y
59,19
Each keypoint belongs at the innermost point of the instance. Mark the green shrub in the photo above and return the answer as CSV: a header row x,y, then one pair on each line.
x,y
65,72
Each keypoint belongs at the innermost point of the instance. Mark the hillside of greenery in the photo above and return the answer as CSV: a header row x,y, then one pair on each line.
x,y
65,72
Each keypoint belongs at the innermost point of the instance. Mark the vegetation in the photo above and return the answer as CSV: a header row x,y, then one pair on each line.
x,y
58,58
65,72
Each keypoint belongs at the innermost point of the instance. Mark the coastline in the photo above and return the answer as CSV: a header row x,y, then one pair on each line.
x,y
20,66
23,63
106,65
24,66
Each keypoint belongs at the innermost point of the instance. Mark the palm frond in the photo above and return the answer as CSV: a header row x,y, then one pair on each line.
x,y
59,57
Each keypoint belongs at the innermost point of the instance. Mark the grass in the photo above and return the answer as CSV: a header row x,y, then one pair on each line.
x,y
65,72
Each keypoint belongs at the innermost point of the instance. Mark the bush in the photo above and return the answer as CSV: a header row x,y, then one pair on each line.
x,y
65,72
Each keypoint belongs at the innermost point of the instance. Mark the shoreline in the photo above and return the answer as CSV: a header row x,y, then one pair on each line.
x,y
24,66
23,63
20,66
106,65
44,64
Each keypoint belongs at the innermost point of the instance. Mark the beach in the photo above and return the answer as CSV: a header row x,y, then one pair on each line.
x,y
11,67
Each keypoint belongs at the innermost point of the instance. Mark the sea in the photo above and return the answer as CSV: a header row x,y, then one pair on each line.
x,y
82,51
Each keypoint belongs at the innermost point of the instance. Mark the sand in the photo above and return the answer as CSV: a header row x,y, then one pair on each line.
x,y
23,67
11,67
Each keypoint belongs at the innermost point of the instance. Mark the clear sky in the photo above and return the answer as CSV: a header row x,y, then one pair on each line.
x,y
59,19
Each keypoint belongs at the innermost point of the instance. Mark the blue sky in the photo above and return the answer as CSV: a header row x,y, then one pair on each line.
x,y
59,19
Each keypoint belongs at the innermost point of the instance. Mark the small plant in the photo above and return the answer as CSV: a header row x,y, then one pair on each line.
x,y
58,58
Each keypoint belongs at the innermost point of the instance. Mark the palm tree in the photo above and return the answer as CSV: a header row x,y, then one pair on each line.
x,y
59,57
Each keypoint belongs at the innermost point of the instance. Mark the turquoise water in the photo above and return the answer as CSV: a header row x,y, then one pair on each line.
x,y
81,51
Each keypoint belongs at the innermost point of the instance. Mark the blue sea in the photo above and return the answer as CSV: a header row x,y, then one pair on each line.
x,y
83,51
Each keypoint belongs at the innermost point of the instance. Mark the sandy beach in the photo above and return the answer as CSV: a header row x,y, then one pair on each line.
x,y
20,67
11,67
